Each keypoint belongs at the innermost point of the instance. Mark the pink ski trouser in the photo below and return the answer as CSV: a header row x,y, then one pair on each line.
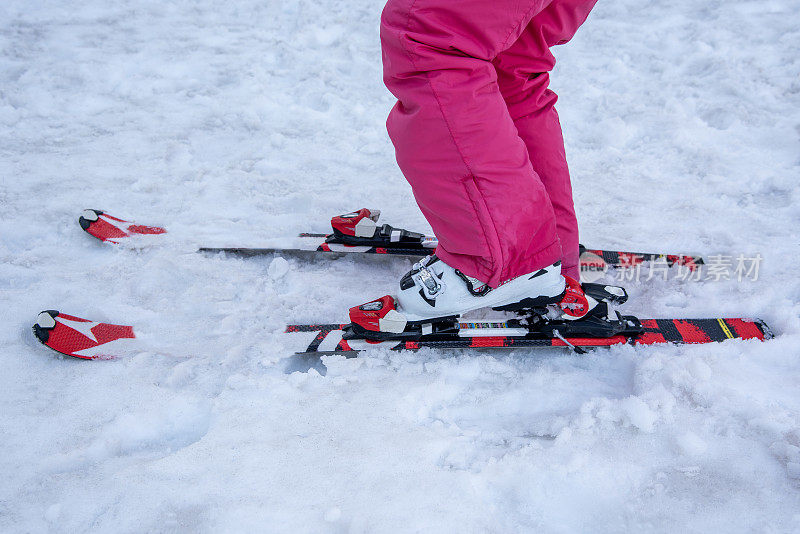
x,y
475,130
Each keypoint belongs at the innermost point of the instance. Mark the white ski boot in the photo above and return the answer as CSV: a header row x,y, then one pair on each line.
x,y
433,291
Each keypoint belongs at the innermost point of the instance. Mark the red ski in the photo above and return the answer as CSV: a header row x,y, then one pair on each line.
x,y
112,229
82,338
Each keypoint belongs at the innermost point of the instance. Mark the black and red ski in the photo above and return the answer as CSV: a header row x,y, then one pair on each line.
x,y
358,233
332,338
377,323
91,340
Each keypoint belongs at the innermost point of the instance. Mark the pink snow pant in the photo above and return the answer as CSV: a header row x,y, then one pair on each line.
x,y
475,130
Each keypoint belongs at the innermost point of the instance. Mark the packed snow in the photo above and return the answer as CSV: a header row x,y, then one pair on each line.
x,y
236,122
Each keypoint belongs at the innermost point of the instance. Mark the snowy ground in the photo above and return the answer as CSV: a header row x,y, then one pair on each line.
x,y
238,121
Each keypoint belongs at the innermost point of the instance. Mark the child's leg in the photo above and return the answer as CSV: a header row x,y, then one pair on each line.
x,y
522,73
456,143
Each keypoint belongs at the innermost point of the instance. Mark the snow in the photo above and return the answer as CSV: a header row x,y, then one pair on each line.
x,y
238,122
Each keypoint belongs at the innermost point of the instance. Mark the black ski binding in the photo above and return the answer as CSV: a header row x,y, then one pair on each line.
x,y
605,293
385,236
360,228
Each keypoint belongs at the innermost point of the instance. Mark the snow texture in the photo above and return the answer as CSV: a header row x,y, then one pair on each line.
x,y
241,121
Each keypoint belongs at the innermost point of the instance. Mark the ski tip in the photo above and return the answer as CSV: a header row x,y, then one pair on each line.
x,y
80,338
45,322
88,217
110,229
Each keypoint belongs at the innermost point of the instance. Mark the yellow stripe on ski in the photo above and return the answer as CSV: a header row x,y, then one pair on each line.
x,y
725,328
